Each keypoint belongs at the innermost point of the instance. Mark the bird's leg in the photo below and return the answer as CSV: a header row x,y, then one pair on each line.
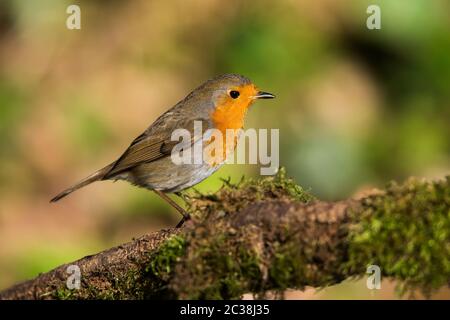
x,y
183,212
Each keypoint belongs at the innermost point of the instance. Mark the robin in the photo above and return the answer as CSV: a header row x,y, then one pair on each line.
x,y
220,103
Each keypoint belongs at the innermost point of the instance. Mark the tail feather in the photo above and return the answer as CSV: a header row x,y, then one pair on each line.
x,y
96,176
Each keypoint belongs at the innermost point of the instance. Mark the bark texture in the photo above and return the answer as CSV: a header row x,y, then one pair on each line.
x,y
270,236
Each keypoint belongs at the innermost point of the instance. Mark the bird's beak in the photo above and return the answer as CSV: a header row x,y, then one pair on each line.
x,y
263,95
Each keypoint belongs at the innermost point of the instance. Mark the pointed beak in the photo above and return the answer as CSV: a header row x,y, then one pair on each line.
x,y
263,95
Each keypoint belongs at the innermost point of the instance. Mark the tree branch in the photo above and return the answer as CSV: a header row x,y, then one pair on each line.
x,y
271,235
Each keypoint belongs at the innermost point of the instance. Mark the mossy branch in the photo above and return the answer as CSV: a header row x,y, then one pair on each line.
x,y
271,235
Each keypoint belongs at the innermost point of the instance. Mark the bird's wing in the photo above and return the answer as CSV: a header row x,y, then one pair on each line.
x,y
155,143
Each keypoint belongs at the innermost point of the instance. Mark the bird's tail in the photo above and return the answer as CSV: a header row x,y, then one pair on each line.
x,y
96,176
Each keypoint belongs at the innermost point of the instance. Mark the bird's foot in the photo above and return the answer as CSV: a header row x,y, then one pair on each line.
x,y
185,218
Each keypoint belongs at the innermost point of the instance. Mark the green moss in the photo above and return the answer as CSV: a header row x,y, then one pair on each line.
x,y
220,261
163,261
232,197
216,269
250,265
63,294
405,231
140,282
286,269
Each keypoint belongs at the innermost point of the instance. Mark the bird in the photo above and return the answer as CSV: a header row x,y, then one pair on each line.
x,y
220,103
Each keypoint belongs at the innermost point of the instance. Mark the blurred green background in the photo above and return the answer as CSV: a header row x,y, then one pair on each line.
x,y
355,107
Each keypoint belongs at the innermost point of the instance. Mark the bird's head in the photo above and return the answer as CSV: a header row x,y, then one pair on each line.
x,y
234,90
232,95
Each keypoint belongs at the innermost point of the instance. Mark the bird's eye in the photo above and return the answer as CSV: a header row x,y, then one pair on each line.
x,y
234,94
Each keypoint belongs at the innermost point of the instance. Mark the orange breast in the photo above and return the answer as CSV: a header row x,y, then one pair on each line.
x,y
227,117
229,114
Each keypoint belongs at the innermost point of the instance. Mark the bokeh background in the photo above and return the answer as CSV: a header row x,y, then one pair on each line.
x,y
355,107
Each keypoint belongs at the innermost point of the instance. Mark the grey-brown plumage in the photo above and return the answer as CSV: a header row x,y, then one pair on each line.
x,y
98,175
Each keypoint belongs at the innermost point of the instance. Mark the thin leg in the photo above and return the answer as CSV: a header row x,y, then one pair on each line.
x,y
176,206
182,221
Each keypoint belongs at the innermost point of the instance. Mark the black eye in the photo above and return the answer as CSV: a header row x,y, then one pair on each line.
x,y
234,94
